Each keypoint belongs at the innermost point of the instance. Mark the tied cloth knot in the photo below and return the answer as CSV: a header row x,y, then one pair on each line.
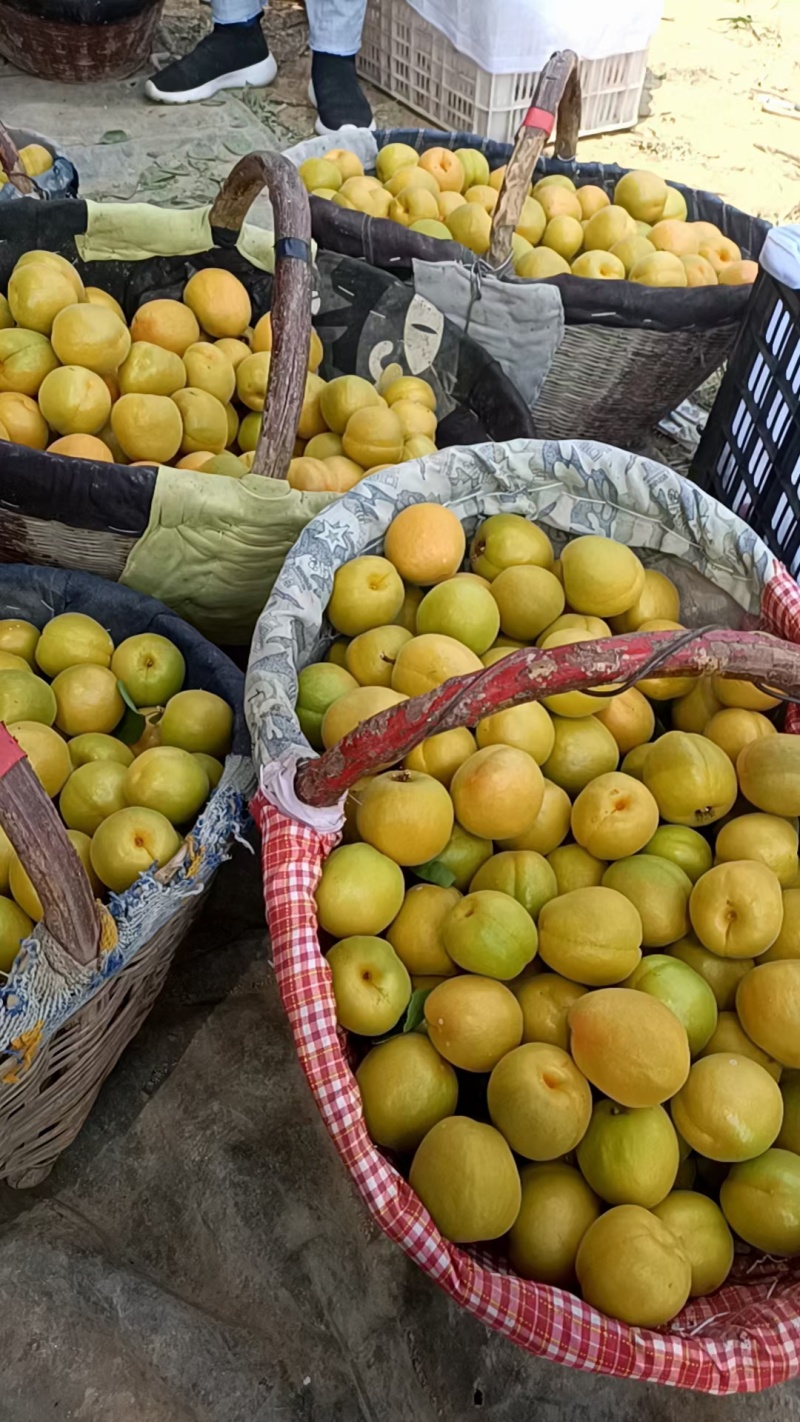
x,y
477,271
109,936
194,858
24,1048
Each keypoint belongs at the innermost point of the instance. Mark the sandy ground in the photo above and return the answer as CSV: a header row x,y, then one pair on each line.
x,y
706,126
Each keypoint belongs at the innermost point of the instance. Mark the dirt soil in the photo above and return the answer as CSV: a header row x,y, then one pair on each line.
x,y
705,126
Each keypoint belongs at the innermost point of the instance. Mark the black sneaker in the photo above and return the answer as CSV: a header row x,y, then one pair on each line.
x,y
336,94
230,57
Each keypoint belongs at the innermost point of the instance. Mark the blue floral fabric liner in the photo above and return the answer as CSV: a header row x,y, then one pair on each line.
x,y
59,181
569,487
46,986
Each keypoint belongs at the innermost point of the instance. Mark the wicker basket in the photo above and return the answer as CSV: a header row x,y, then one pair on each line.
x,y
51,1071
59,181
747,1335
62,41
80,514
630,354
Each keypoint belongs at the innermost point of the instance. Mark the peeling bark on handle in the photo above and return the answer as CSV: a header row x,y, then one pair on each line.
x,y
529,675
291,297
12,167
32,824
568,125
557,92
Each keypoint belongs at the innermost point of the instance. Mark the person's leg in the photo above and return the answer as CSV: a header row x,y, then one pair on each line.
x,y
335,38
233,55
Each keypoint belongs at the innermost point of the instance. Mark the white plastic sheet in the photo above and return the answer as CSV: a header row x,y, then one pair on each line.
x,y
518,36
781,255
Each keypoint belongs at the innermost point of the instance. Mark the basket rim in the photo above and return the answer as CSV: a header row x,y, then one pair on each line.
x,y
585,301
64,13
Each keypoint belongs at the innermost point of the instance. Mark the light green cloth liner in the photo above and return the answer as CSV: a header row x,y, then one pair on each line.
x,y
136,231
214,547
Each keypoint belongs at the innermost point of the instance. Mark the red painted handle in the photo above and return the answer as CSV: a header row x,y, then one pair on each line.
x,y
539,118
530,674
10,752
33,825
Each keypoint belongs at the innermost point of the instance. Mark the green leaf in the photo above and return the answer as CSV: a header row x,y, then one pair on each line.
x,y
130,728
126,696
415,1012
115,135
239,144
133,723
413,1020
436,872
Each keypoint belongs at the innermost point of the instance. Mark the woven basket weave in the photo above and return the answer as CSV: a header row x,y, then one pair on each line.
x,y
75,53
746,1336
42,1111
59,545
614,385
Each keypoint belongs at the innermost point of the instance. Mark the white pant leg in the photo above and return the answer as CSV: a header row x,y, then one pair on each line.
x,y
235,12
334,25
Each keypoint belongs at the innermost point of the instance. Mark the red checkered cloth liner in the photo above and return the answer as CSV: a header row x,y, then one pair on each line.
x,y
744,1338
780,614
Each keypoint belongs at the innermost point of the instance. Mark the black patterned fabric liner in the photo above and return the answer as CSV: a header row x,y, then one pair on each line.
x,y
366,319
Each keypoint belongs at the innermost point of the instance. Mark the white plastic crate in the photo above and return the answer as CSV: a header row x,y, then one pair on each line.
x,y
408,58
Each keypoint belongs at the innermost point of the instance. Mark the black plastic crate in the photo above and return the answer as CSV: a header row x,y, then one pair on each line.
x,y
749,455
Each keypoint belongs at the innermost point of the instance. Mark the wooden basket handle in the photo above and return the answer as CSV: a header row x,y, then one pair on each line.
x,y
31,821
556,102
13,169
530,674
291,295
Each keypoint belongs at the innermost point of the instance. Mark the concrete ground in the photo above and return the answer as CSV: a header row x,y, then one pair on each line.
x,y
129,149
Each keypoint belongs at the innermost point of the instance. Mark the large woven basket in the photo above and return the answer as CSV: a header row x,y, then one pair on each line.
x,y
747,1335
630,354
76,513
78,41
83,984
